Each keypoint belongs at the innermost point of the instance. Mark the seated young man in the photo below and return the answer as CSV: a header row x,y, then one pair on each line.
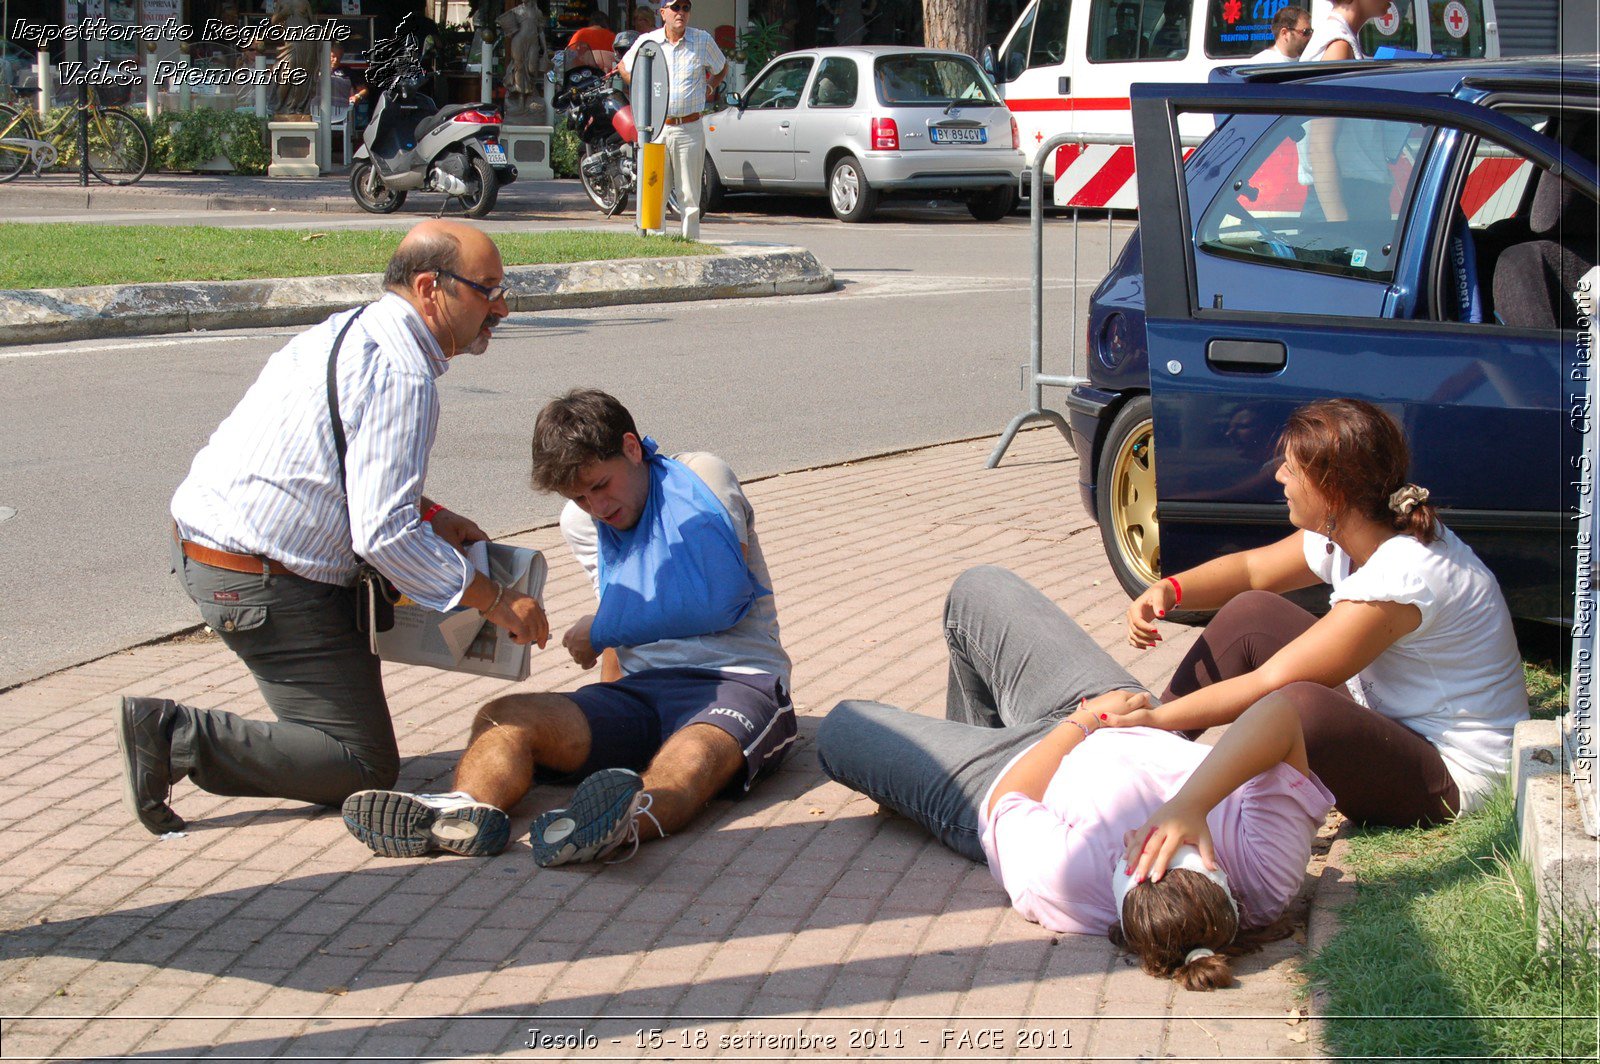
x,y
693,687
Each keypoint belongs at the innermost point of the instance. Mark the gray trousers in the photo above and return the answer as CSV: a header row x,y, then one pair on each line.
x,y
333,735
1018,664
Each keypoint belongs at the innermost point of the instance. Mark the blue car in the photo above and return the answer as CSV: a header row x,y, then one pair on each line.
x,y
1415,234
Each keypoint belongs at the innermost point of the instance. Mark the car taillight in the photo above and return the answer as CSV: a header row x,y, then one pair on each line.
x,y
478,118
885,135
1016,138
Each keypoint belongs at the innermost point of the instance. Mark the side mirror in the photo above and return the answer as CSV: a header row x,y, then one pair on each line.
x,y
735,100
986,60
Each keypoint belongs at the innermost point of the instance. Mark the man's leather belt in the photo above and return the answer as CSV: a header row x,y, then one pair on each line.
x,y
679,120
234,563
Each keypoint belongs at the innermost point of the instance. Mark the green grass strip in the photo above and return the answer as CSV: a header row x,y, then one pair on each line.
x,y
70,255
1444,923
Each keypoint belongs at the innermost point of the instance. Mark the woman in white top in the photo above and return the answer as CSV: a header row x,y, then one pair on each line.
x,y
1409,687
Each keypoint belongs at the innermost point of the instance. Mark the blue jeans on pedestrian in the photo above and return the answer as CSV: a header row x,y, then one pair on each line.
x,y
1018,665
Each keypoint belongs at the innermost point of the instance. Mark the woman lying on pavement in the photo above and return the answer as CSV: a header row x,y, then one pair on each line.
x,y
1183,854
1409,687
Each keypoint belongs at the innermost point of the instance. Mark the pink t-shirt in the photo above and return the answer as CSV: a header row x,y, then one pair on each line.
x,y
1055,858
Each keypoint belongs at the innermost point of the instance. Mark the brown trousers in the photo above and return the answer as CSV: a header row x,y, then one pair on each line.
x,y
1380,771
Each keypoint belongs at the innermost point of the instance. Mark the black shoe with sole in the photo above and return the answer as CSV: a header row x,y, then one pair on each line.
x,y
144,740
397,824
595,822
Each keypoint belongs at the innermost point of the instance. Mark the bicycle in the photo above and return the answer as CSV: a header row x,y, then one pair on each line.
x,y
119,148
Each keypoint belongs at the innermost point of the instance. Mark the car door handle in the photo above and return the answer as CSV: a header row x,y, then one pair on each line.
x,y
784,124
1247,356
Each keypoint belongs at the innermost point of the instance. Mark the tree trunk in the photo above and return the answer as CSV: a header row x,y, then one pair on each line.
x,y
956,25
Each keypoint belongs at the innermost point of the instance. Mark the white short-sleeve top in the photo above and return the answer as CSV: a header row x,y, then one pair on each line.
x,y
1457,679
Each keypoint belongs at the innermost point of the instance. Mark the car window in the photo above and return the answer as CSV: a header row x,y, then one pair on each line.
x,y
1324,195
1455,28
1049,44
780,87
836,84
925,80
1122,30
1236,29
1396,28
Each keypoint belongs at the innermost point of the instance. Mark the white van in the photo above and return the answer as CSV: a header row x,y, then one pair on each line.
x,y
1066,65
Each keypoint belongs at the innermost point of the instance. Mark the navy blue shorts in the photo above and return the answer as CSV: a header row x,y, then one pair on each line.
x,y
629,719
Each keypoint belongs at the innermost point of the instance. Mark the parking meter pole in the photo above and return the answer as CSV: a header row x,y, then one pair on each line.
x,y
152,91
652,196
648,96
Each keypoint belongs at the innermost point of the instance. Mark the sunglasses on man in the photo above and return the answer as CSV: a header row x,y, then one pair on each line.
x,y
682,5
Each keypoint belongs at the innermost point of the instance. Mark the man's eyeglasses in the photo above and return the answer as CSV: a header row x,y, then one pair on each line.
x,y
494,294
1306,33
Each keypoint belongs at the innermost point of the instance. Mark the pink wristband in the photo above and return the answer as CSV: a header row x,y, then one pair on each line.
x,y
1178,597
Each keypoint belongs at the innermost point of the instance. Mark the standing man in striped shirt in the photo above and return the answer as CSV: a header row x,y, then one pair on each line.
x,y
696,67
269,532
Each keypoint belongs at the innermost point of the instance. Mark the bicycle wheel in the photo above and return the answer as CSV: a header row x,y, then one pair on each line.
x,y
119,151
13,157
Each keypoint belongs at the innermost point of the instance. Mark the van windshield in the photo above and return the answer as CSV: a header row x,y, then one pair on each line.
x,y
931,80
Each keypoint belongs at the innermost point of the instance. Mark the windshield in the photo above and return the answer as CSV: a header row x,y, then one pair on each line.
x,y
931,80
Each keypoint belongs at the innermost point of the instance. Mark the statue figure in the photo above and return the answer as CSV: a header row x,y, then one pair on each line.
x,y
293,99
522,28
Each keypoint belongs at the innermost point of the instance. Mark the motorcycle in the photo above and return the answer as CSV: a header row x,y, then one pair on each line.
x,y
592,104
410,144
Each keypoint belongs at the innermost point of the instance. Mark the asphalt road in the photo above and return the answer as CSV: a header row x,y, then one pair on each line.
x,y
922,343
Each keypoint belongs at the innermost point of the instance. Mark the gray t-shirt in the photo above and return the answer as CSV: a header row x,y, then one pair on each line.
x,y
751,645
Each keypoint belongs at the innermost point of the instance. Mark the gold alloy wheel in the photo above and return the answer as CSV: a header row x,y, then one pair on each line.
x,y
1133,504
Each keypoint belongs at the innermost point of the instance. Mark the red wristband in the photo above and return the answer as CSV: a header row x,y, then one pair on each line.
x,y
1178,596
433,511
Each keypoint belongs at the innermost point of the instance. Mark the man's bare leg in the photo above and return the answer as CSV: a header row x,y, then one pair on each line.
x,y
690,769
514,734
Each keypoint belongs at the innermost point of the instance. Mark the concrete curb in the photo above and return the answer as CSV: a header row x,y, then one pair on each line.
x,y
1336,886
53,315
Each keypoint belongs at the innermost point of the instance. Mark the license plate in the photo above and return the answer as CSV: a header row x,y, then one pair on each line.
x,y
960,135
496,154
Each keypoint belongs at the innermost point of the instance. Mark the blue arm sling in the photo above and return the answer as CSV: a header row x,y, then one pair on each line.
x,y
679,572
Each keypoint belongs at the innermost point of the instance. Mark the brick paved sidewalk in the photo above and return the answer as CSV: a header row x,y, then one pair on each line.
x,y
796,913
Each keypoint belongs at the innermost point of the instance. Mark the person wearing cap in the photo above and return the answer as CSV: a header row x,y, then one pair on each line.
x,y
695,67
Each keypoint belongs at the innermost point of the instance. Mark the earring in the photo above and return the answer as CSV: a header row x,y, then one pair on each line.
x,y
1328,529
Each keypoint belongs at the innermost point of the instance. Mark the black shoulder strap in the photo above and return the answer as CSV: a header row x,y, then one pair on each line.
x,y
333,397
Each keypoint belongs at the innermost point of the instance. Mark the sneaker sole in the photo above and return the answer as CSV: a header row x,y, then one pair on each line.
x,y
394,824
595,820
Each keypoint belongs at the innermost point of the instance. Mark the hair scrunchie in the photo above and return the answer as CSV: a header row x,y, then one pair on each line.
x,y
1196,953
1408,498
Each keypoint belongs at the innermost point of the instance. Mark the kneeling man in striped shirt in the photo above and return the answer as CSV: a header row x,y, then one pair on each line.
x,y
319,468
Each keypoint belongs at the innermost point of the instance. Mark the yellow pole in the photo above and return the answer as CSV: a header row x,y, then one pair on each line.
x,y
652,194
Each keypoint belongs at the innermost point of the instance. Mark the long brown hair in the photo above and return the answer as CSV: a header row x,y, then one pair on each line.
x,y
1163,921
1356,457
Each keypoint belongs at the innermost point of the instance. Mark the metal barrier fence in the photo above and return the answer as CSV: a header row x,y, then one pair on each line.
x,y
1036,379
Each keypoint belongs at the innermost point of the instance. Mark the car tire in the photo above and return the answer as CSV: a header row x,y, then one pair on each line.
x,y
993,204
711,189
849,194
1125,497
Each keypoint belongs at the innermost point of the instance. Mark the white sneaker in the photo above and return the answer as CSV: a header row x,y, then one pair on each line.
x,y
397,824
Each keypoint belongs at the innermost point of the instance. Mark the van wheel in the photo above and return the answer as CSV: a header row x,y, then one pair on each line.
x,y
1125,498
849,194
993,204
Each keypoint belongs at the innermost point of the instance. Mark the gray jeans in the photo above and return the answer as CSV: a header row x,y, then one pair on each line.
x,y
333,735
1018,664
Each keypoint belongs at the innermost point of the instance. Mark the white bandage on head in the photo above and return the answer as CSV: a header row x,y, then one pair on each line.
x,y
1184,857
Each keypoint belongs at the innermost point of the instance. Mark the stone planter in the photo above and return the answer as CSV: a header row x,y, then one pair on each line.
x,y
528,149
294,149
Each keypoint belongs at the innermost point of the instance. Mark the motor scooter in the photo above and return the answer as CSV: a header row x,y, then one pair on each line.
x,y
592,104
411,145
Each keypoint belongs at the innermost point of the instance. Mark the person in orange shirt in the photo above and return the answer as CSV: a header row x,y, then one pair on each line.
x,y
595,37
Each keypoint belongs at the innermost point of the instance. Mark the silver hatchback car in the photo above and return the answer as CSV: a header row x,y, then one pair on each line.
x,y
860,122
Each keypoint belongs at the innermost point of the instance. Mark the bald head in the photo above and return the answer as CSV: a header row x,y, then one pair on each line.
x,y
434,245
